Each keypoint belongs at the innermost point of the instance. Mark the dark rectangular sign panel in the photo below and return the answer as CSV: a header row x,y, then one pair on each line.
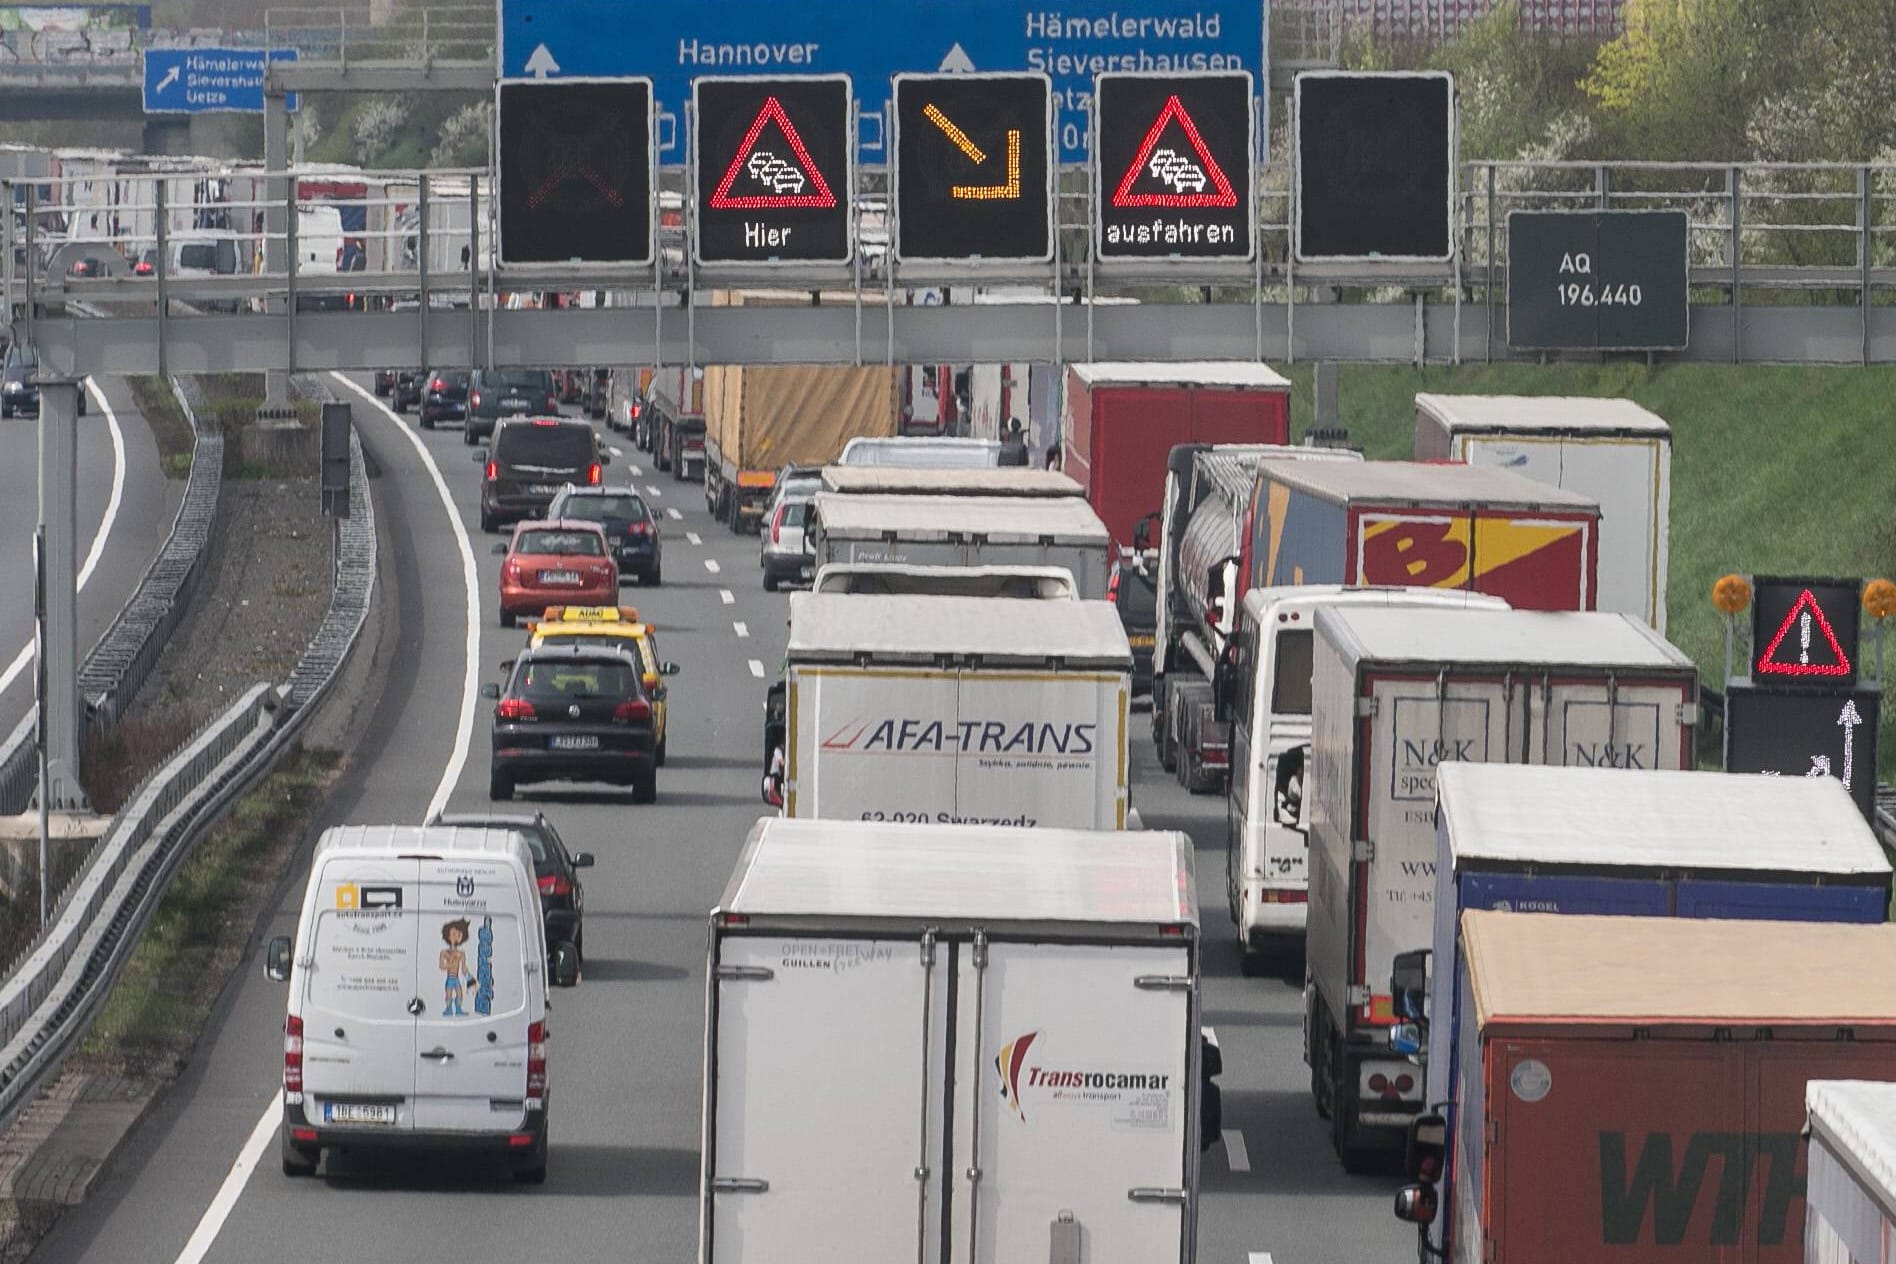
x,y
1597,280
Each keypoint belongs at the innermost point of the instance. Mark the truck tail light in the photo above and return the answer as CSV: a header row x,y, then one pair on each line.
x,y
635,709
776,524
536,1066
516,709
293,1054
554,884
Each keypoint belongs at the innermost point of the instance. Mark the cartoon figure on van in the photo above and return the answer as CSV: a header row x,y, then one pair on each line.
x,y
454,966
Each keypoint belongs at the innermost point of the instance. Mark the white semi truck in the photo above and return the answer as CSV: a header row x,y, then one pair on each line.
x,y
954,1045
956,710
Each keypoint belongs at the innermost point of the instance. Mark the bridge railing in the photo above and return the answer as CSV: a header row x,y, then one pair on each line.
x,y
423,34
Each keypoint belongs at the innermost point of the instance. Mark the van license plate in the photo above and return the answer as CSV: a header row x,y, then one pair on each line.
x,y
513,405
559,577
573,741
542,489
358,1113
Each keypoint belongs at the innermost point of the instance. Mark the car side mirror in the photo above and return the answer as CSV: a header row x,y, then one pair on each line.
x,y
582,860
1425,1156
276,959
1417,1204
490,691
1405,1039
668,668
1142,532
1224,684
565,965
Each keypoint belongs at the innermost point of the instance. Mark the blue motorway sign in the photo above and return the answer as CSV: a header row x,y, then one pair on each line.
x,y
208,80
872,40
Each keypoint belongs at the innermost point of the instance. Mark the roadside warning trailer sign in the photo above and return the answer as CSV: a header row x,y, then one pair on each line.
x,y
774,170
1174,167
1804,631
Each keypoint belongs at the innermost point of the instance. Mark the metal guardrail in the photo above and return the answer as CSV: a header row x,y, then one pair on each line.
x,y
418,34
122,659
49,999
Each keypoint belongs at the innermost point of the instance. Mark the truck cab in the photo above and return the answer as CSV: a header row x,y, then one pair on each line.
x,y
1265,691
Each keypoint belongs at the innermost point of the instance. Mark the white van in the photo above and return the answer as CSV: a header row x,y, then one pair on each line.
x,y
418,997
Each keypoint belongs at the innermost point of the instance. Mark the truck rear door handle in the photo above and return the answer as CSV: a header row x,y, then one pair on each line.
x,y
437,1055
738,1185
1151,1194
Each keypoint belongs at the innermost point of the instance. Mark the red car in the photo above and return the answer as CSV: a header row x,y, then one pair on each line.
x,y
556,563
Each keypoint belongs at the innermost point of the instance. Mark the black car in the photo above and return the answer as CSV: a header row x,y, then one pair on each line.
x,y
529,461
443,397
19,392
573,713
630,526
562,897
497,395
1133,590
408,388
384,382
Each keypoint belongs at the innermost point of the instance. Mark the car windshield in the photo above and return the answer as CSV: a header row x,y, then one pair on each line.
x,y
549,543
601,508
567,447
576,678
1138,602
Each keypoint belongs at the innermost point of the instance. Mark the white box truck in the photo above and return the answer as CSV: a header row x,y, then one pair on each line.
x,y
1850,1192
1609,449
964,531
952,1045
1267,811
956,710
1395,694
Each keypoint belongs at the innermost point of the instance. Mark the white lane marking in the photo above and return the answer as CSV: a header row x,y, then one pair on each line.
x,y
1235,1152
654,489
470,583
711,564
636,471
742,629
615,450
99,537
1259,1257
212,1222
671,511
726,596
757,669
233,1187
694,537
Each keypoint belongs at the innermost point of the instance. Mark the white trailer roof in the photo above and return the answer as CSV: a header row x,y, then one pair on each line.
x,y
1532,638
1857,1120
1228,373
1692,820
854,627
1001,519
1414,483
1039,583
925,481
1542,414
974,873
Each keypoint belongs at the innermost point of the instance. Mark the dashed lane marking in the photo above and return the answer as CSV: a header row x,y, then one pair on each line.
x,y
671,511
726,596
615,451
742,629
654,489
711,564
757,669
694,537
1235,1152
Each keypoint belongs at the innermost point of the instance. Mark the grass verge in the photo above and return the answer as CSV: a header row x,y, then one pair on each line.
x,y
158,1007
169,426
1775,469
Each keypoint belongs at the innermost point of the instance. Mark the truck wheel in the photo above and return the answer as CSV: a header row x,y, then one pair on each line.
x,y
658,755
1187,766
299,1160
1355,1158
1316,1049
1162,726
500,786
770,582
645,786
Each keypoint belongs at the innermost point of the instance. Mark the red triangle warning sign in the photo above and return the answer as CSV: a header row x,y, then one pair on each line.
x,y
1166,177
774,181
1794,651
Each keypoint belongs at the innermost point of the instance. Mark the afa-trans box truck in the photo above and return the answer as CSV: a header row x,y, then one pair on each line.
x,y
1635,1086
1565,841
957,710
953,1045
1396,693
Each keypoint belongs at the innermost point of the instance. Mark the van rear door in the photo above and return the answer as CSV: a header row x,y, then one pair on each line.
x,y
480,969
361,987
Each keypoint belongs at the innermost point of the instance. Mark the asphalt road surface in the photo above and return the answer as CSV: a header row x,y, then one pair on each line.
x,y
626,1049
125,509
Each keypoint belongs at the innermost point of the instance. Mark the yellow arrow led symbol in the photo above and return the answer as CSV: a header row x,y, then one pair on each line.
x,y
1009,188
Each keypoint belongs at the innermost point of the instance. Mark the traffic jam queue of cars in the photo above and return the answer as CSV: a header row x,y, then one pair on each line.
x,y
1459,761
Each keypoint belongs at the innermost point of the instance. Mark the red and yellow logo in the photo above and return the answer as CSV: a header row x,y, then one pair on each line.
x,y
1537,561
1007,1064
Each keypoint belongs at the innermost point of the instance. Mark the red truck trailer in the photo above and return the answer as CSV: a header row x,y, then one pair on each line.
x,y
1634,1086
1407,525
1123,419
